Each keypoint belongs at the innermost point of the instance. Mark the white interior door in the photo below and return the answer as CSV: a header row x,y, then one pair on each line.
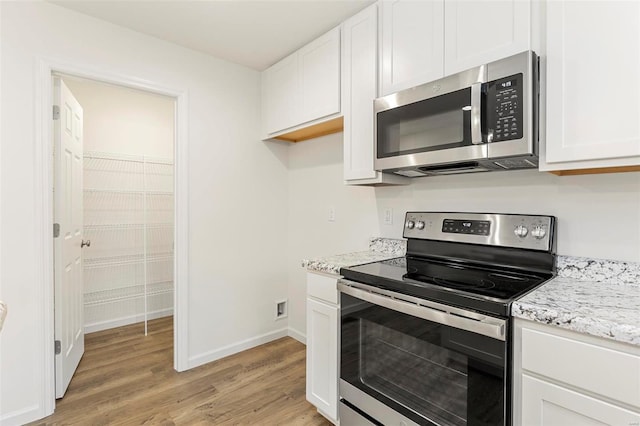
x,y
69,317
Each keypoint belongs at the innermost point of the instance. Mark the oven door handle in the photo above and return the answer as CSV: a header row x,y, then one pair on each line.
x,y
484,325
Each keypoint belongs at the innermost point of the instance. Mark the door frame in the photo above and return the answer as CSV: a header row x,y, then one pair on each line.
x,y
43,213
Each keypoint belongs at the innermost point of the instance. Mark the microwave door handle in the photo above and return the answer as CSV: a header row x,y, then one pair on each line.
x,y
476,128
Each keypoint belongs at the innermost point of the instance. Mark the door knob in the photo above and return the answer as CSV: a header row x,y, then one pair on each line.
x,y
85,243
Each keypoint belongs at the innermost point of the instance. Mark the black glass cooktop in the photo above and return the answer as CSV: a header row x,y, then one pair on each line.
x,y
465,285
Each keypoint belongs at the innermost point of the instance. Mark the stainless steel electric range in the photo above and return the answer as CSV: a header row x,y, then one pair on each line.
x,y
426,338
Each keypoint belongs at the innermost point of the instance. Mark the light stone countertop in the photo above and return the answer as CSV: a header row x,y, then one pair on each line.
x,y
379,249
595,308
589,296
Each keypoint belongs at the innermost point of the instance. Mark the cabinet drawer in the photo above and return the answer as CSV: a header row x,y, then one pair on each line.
x,y
323,287
600,370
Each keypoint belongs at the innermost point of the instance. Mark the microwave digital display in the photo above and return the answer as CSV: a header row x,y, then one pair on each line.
x,y
507,84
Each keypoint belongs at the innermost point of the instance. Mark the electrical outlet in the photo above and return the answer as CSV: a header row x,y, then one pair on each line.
x,y
388,216
332,214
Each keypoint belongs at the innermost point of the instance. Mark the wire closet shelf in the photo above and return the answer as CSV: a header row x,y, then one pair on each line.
x,y
128,216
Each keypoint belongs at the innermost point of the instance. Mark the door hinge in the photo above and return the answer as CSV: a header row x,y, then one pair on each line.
x,y
56,230
57,347
56,112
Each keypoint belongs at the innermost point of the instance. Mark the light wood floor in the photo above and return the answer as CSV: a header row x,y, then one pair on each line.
x,y
126,378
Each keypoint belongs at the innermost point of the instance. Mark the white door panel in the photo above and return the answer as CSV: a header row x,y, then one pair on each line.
x,y
322,356
547,404
412,44
478,32
593,88
319,68
68,214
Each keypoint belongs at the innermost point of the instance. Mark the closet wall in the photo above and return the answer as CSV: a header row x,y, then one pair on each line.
x,y
128,204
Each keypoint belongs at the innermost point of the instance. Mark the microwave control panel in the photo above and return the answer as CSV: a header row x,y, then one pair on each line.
x,y
504,99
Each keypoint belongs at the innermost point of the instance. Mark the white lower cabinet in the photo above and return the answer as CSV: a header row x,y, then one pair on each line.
x,y
322,344
547,404
566,378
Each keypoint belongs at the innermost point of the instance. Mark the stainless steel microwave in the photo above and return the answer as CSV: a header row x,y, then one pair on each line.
x,y
482,119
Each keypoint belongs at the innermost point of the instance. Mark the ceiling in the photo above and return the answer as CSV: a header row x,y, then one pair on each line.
x,y
254,33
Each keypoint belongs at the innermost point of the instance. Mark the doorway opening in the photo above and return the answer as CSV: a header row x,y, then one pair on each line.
x,y
124,198
44,179
127,203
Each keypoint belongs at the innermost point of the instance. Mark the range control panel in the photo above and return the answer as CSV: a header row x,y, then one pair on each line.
x,y
509,230
504,108
471,227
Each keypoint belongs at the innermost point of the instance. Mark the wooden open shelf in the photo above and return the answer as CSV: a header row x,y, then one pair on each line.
x,y
321,129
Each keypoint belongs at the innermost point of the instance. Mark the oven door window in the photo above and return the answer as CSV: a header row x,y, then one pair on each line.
x,y
437,123
429,372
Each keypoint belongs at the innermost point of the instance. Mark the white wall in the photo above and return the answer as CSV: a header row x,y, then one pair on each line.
x,y
237,189
123,120
598,215
315,185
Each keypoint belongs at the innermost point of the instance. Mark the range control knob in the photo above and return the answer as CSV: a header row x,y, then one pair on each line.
x,y
521,231
538,232
410,224
420,225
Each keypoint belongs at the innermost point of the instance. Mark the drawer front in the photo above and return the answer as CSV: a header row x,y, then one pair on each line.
x,y
600,370
323,287
349,416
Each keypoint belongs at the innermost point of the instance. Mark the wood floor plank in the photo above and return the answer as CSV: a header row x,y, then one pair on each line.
x,y
125,378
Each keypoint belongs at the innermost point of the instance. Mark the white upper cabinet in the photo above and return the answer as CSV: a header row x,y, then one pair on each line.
x,y
304,86
412,43
280,86
319,64
478,32
359,89
593,84
423,41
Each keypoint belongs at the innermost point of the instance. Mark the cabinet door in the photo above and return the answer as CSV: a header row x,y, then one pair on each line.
x,y
593,81
546,404
281,94
322,357
359,89
412,43
319,64
477,32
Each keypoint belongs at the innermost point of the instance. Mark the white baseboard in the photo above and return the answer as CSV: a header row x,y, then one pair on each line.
x,y
234,348
21,417
119,322
298,335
